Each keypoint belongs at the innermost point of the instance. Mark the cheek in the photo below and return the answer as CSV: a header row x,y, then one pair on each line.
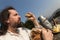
x,y
12,19
15,19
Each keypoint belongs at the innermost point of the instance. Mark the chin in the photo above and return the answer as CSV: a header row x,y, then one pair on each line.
x,y
19,22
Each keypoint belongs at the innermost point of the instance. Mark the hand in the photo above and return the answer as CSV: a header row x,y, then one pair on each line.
x,y
36,29
30,16
47,34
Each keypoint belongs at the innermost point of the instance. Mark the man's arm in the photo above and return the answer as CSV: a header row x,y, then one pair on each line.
x,y
33,19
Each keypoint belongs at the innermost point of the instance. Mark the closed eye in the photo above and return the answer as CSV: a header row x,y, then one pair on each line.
x,y
16,14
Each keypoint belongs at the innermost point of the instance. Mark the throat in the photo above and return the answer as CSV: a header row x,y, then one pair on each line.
x,y
13,30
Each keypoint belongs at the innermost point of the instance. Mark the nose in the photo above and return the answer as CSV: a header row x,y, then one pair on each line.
x,y
19,17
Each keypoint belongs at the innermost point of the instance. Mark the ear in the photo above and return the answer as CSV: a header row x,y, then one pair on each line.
x,y
7,21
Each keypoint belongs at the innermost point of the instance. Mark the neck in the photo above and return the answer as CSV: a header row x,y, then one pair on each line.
x,y
12,29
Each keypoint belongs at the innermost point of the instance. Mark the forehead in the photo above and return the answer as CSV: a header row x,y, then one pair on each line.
x,y
12,11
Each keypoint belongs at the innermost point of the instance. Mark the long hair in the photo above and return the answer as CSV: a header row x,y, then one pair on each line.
x,y
4,15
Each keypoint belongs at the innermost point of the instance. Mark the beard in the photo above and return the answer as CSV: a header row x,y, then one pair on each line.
x,y
15,25
21,24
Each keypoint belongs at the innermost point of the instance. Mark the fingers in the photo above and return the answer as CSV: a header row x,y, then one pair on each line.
x,y
35,29
50,32
44,30
47,34
29,14
31,18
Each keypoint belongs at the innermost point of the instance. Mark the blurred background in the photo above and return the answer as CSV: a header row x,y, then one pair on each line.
x,y
38,7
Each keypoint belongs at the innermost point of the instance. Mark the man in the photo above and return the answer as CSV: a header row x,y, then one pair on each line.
x,y
9,19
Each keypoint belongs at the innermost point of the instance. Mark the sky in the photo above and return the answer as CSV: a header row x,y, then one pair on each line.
x,y
37,7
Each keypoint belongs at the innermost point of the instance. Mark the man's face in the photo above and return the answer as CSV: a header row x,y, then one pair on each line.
x,y
14,18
